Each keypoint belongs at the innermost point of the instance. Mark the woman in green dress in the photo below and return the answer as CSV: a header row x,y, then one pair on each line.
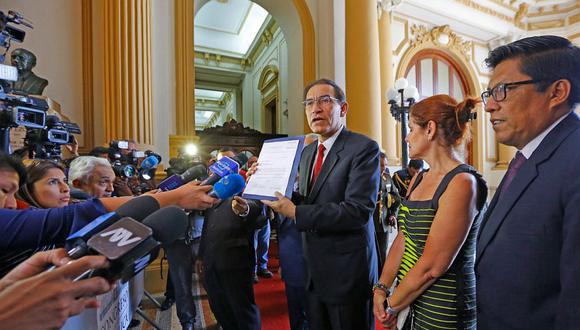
x,y
433,255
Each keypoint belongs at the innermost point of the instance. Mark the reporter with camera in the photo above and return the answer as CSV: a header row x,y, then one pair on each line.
x,y
32,298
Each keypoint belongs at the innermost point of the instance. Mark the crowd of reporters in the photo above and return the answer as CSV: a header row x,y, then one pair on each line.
x,y
44,201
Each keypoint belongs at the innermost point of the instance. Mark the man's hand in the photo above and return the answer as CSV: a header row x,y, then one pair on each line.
x,y
282,206
48,299
121,187
195,197
240,206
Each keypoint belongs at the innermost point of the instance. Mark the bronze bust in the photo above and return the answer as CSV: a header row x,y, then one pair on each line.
x,y
29,83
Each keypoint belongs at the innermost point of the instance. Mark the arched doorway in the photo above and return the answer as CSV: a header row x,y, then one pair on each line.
x,y
297,26
434,72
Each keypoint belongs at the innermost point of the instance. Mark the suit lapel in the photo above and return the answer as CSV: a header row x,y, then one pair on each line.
x,y
503,205
328,165
500,207
306,168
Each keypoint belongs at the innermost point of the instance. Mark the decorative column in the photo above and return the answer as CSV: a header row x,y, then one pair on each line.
x,y
184,12
127,67
363,83
388,123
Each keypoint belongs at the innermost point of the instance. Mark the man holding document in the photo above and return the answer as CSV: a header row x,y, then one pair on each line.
x,y
338,184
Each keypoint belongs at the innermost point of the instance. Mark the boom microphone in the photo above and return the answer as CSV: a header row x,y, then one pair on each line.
x,y
130,246
228,186
225,166
177,180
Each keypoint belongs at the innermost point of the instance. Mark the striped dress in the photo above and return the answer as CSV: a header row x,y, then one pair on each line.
x,y
450,302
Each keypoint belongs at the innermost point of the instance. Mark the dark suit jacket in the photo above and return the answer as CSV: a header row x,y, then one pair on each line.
x,y
527,262
336,216
227,240
290,251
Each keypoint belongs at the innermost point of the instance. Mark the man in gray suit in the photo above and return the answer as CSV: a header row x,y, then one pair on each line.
x,y
527,265
339,181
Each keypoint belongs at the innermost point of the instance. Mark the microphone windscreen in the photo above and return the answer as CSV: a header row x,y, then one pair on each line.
x,y
241,159
229,186
149,163
168,224
193,173
138,208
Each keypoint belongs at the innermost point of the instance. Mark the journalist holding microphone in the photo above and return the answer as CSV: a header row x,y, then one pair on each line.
x,y
55,295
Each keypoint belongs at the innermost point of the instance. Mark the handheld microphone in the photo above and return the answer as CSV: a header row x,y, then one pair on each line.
x,y
228,186
149,163
177,180
148,166
130,246
225,166
138,208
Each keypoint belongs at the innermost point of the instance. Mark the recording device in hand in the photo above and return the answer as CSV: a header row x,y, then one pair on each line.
x,y
177,180
138,209
225,166
130,246
228,186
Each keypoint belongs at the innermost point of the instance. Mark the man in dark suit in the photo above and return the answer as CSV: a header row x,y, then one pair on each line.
x,y
527,264
227,259
338,181
226,262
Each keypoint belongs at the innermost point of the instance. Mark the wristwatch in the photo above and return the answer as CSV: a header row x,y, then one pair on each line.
x,y
390,310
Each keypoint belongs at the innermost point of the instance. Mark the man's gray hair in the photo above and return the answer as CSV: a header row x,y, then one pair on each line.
x,y
82,168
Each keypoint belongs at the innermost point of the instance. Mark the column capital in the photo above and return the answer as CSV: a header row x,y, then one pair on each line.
x,y
387,6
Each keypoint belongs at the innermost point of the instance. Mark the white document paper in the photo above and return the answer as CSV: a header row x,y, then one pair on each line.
x,y
274,169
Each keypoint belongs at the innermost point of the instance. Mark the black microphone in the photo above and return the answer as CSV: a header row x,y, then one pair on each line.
x,y
137,208
225,166
177,180
130,246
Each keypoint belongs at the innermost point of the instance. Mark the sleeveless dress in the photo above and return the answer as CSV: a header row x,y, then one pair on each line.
x,y
450,302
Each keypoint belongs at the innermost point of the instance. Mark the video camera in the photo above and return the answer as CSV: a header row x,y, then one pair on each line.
x,y
123,163
15,110
45,142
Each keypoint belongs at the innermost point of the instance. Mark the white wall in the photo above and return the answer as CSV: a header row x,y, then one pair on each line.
x,y
163,75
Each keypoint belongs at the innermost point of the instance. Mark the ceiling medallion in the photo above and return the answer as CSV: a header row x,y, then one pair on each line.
x,y
441,36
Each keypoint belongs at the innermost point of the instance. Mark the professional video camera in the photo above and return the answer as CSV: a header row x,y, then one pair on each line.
x,y
15,109
45,142
122,162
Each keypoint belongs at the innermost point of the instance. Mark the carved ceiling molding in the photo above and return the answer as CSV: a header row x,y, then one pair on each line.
x,y
440,36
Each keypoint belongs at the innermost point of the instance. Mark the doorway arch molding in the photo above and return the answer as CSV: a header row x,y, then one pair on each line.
x,y
443,39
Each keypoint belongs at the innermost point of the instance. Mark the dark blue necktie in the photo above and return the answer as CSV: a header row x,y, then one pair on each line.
x,y
512,171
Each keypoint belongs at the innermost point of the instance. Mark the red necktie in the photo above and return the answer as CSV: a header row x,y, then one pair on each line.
x,y
318,164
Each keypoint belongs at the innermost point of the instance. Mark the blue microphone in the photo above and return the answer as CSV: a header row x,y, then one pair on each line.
x,y
149,163
228,186
148,166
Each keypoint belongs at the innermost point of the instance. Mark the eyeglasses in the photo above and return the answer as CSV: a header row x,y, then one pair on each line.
x,y
323,100
499,92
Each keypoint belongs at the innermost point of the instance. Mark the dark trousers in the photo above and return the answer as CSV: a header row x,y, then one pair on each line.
x,y
323,315
297,307
180,259
231,298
